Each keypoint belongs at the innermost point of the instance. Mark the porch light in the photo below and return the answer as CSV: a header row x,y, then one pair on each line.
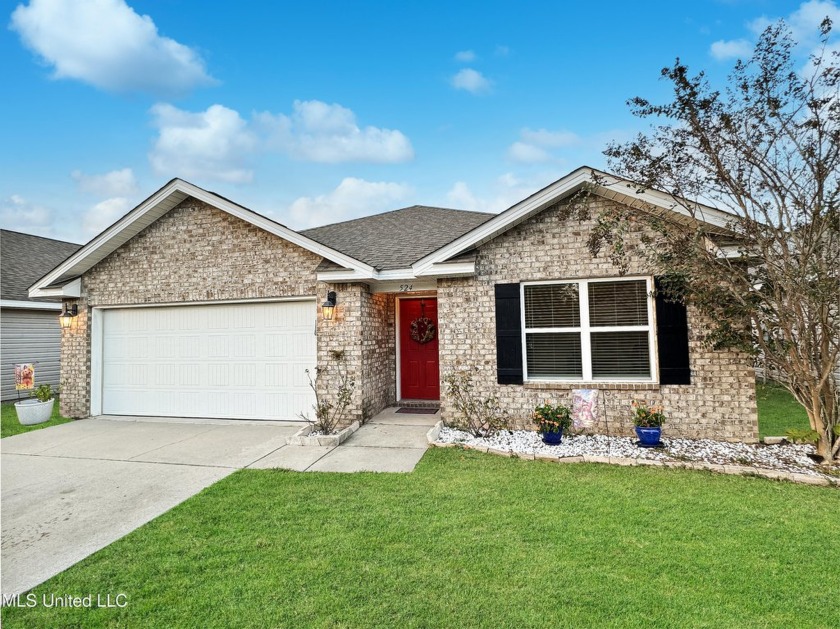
x,y
328,307
66,317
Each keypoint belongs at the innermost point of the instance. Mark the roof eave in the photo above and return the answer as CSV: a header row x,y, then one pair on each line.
x,y
155,207
602,183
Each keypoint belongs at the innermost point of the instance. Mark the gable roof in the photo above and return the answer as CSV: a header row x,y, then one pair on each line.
x,y
600,183
413,242
396,239
25,259
150,210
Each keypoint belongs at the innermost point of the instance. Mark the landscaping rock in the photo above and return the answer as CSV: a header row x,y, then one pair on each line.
x,y
783,460
774,441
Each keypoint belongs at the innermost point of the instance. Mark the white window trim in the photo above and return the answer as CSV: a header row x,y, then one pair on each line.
x,y
585,329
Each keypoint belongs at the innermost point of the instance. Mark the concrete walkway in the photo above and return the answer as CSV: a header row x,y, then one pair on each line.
x,y
70,490
390,442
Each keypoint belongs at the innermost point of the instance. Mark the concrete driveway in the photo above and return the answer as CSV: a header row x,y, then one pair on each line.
x,y
69,490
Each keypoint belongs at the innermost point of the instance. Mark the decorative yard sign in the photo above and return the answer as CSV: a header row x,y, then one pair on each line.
x,y
24,377
584,408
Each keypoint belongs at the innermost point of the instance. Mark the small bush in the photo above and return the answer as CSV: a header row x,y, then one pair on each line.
x,y
479,416
44,393
802,435
328,415
549,418
645,416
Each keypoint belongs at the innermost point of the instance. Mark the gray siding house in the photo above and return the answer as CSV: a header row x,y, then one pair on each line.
x,y
29,330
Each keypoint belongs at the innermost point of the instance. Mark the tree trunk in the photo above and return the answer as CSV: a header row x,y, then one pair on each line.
x,y
822,413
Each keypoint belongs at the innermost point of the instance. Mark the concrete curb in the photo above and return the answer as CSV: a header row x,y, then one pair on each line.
x,y
734,470
434,432
302,438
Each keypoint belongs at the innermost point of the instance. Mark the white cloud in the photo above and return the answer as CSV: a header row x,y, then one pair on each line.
x,y
111,184
104,214
220,144
471,81
16,213
528,153
328,133
212,144
534,144
105,43
502,51
352,198
552,139
804,24
732,49
465,56
502,193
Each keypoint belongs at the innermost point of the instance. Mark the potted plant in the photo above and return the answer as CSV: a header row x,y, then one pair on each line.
x,y
648,421
551,420
37,409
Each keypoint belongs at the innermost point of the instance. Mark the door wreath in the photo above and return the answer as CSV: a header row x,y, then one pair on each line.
x,y
423,329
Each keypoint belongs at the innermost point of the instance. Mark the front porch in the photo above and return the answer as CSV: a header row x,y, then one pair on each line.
x,y
389,335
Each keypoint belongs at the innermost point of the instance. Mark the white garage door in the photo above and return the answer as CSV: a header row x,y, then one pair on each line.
x,y
240,361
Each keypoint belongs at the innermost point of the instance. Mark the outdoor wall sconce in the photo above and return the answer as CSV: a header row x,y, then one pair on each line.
x,y
66,317
328,306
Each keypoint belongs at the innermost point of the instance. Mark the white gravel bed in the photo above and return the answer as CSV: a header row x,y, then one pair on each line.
x,y
788,458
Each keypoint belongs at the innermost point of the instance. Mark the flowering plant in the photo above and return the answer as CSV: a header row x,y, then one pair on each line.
x,y
647,416
549,418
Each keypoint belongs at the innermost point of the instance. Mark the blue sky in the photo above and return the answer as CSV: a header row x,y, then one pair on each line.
x,y
318,112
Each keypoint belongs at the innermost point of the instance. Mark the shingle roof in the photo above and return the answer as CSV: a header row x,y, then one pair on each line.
x,y
25,259
394,240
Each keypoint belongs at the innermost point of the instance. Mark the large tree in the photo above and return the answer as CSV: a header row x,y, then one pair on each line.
x,y
766,150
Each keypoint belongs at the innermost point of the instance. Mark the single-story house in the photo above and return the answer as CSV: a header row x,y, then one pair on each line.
x,y
192,305
29,330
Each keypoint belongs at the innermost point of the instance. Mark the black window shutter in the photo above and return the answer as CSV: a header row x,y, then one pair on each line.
x,y
672,339
508,334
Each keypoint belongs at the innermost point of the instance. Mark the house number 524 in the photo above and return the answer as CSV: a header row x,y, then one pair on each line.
x,y
404,288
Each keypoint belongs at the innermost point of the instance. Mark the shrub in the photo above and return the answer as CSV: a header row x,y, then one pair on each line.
x,y
647,416
479,416
802,435
44,393
328,415
549,418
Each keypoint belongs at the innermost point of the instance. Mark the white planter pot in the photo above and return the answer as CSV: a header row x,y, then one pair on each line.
x,y
31,412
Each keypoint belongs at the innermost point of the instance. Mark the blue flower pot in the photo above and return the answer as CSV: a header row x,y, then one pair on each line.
x,y
649,436
552,438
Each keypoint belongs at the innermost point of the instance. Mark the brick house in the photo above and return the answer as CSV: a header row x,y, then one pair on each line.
x,y
192,305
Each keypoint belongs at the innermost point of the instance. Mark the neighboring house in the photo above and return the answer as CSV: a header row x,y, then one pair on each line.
x,y
192,305
29,330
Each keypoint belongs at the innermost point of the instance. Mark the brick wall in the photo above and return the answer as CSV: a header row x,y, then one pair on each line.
x,y
378,352
193,253
343,332
720,402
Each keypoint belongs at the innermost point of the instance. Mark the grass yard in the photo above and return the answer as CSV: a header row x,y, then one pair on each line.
x,y
471,540
778,411
9,424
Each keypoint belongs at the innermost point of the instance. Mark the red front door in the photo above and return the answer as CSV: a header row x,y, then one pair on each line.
x,y
419,377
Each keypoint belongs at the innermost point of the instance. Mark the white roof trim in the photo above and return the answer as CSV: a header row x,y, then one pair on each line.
x,y
449,269
28,305
444,269
613,187
70,290
343,275
156,206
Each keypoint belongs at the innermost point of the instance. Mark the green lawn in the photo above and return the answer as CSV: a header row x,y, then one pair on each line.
x,y
471,540
778,411
11,426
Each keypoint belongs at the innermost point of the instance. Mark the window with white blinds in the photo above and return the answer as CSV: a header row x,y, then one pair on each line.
x,y
588,330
